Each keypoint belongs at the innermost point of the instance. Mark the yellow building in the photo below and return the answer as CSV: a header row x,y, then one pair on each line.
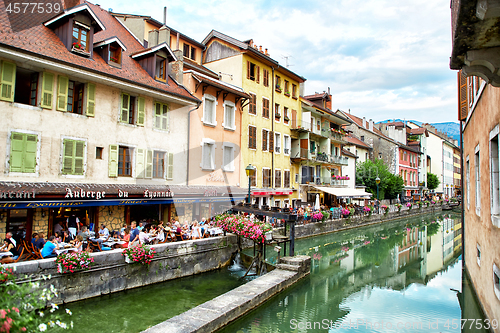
x,y
266,120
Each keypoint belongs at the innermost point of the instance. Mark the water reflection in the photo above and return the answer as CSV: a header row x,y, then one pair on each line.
x,y
391,273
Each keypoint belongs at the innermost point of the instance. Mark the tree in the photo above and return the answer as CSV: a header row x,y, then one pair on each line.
x,y
390,185
432,181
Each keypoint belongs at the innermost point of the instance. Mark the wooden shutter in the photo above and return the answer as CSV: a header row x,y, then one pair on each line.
x,y
90,100
47,90
78,158
257,74
248,69
17,148
139,165
170,166
462,96
29,161
125,108
149,164
113,161
271,141
62,93
68,147
8,81
141,111
264,140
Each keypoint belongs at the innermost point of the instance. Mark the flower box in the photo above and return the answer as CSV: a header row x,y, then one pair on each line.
x,y
269,235
128,260
80,51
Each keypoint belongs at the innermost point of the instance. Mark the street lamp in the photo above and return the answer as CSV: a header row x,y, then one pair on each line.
x,y
377,181
250,170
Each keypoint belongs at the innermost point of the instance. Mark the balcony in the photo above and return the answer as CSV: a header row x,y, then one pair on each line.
x,y
301,126
342,160
322,157
337,137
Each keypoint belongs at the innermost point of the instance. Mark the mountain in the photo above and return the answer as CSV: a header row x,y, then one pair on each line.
x,y
450,128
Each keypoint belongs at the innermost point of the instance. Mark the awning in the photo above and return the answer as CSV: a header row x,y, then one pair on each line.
x,y
343,192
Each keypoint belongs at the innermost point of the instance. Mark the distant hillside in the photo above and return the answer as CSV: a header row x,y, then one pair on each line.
x,y
450,128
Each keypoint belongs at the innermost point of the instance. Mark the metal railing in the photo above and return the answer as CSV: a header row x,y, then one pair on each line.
x,y
340,160
299,124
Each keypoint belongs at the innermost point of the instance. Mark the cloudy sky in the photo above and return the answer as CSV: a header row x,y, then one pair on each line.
x,y
382,59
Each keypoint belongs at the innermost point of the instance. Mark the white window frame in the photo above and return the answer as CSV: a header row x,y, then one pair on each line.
x,y
38,148
231,125
271,180
477,179
286,138
467,180
268,132
277,111
213,121
495,176
256,108
277,203
277,143
228,167
61,157
286,203
208,144
281,178
165,162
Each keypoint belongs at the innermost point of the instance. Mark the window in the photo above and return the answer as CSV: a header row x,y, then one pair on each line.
x,y
193,53
158,164
228,157
208,155
253,72
189,51
186,51
128,112
253,179
265,135
286,144
125,161
23,152
363,138
252,105
277,178
98,153
494,177
151,163
478,254
20,85
266,177
294,91
80,37
161,69
73,157
467,181
265,108
277,112
75,97
277,143
286,118
115,54
278,83
252,137
229,115
286,179
477,176
266,78
161,116
287,88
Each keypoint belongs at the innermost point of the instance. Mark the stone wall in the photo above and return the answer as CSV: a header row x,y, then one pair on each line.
x,y
112,217
111,273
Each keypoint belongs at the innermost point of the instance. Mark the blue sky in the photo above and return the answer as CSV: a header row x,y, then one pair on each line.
x,y
381,59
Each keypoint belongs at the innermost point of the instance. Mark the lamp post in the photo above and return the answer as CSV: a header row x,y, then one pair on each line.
x,y
250,170
377,181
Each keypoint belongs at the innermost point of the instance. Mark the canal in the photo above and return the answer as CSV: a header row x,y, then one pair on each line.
x,y
394,277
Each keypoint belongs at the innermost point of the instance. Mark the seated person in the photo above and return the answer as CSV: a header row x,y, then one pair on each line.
x,y
34,237
84,233
186,232
67,237
50,247
8,246
104,231
40,242
178,231
143,237
58,236
126,238
78,243
160,236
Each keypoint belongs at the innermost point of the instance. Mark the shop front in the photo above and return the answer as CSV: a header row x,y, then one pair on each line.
x,y
26,208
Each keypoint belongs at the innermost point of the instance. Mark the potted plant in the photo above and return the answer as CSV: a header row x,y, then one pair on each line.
x,y
73,261
385,209
398,205
139,254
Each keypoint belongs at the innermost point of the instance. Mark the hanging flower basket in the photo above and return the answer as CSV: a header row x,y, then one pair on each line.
x,y
139,254
74,261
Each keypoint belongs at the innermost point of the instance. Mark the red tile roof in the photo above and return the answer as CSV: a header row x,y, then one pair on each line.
x,y
348,153
359,122
41,41
418,131
355,141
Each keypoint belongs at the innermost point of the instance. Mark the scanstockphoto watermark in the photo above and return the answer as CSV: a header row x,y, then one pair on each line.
x,y
371,325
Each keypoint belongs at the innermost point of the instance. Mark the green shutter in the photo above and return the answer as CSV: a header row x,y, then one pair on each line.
x,y
149,164
17,145
79,157
141,111
29,162
47,90
62,93
113,161
140,163
90,100
157,120
124,108
67,165
8,81
170,166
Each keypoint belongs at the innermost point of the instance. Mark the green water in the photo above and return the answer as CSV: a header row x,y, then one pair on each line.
x,y
395,277
137,309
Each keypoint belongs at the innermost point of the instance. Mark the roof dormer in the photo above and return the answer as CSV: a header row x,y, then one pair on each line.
x,y
111,51
155,61
76,27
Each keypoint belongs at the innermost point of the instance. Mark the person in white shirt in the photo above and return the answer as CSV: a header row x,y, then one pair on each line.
x,y
143,237
9,236
103,231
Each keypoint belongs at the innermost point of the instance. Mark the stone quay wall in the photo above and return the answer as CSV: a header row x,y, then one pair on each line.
x,y
111,274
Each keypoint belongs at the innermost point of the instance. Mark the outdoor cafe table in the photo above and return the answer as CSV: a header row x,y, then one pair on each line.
x,y
64,248
111,242
6,254
215,231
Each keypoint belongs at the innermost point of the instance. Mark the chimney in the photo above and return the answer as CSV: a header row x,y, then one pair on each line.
x,y
176,68
164,35
165,15
267,54
364,122
152,38
329,102
370,125
260,48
